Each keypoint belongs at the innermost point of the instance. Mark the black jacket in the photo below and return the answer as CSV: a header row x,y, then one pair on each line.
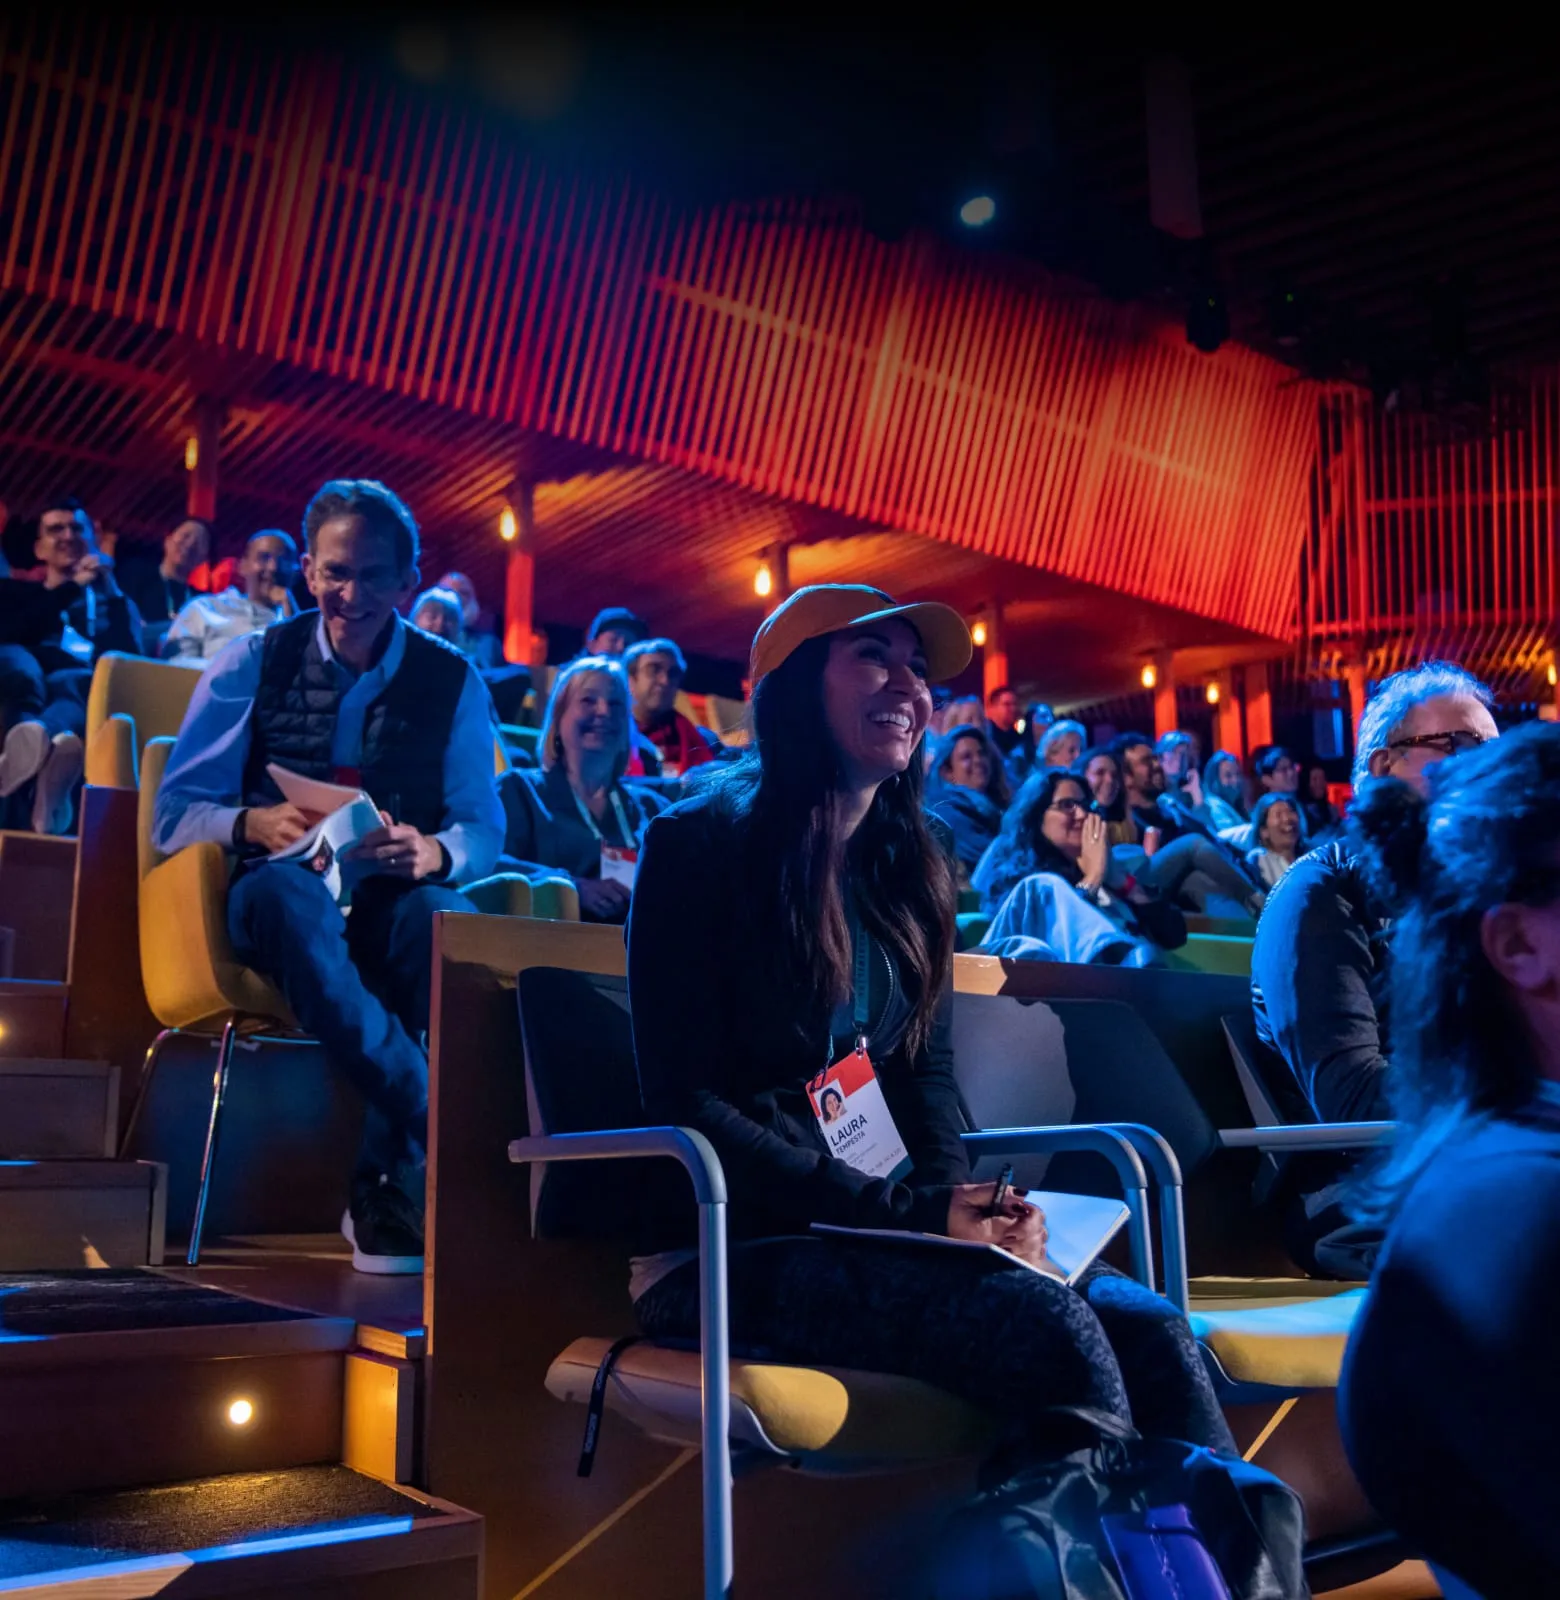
x,y
1450,1388
1318,977
726,1045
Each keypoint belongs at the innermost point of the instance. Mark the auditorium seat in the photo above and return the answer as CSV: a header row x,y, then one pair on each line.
x,y
195,984
132,700
1212,952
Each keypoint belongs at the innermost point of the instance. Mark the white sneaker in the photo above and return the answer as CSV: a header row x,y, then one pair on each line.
x,y
55,801
26,749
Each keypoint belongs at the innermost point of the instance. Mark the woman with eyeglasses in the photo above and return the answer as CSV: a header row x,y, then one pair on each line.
x,y
1451,1393
1051,879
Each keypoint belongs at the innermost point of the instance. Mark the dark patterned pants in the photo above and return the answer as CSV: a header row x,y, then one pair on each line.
x,y
1011,1341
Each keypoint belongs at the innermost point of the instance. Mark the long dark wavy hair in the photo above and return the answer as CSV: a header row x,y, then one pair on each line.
x,y
1487,836
1116,811
785,793
1022,848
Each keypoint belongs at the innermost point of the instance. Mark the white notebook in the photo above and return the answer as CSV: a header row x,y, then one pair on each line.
x,y
1079,1225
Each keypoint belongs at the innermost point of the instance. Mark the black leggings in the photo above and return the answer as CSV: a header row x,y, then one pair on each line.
x,y
1010,1341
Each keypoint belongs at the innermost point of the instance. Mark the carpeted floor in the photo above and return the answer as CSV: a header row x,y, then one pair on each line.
x,y
42,1304
85,1530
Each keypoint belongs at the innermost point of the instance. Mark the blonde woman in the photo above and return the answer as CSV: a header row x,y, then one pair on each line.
x,y
576,815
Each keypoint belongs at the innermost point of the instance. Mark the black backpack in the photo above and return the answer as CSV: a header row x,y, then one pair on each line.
x,y
1127,1518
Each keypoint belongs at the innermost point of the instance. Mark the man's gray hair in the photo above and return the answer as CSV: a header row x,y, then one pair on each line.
x,y
1387,710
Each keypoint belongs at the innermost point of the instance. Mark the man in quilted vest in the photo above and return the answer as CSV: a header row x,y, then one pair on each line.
x,y
349,694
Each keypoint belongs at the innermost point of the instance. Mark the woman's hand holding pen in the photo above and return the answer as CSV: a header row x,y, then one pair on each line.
x,y
1017,1227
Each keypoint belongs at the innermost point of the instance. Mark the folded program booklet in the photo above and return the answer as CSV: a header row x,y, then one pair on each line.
x,y
348,817
1079,1225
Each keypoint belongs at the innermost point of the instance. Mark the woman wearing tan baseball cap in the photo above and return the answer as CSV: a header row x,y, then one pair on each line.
x,y
790,956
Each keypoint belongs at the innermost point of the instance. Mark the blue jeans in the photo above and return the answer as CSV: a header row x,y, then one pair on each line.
x,y
360,984
1045,919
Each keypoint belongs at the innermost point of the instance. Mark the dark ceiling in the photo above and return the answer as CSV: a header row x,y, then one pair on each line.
x,y
1378,211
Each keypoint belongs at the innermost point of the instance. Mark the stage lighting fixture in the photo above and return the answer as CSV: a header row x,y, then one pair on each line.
x,y
1208,320
763,581
1213,694
508,524
978,635
241,1413
1149,678
977,211
191,453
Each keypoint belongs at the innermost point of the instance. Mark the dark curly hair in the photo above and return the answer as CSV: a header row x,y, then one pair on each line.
x,y
1486,836
1022,847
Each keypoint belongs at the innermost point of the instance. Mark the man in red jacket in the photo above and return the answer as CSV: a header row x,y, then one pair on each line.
x,y
668,744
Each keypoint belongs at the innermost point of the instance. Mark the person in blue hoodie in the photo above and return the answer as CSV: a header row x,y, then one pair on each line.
x,y
967,788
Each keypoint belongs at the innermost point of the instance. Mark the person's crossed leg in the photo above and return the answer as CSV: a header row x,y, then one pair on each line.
x,y
337,973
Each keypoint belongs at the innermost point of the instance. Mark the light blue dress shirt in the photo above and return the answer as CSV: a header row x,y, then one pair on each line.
x,y
202,790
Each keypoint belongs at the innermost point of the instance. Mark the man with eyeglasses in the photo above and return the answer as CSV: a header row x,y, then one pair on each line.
x,y
348,694
1319,963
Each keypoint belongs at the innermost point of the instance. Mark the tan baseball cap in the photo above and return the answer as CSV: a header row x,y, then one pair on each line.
x,y
831,607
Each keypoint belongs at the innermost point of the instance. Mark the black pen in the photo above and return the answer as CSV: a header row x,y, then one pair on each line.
x,y
1004,1183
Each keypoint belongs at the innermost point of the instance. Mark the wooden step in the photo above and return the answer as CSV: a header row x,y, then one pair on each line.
x,y
37,885
58,1108
120,1379
75,1213
309,1533
32,1019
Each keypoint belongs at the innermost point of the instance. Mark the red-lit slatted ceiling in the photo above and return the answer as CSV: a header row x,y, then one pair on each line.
x,y
311,215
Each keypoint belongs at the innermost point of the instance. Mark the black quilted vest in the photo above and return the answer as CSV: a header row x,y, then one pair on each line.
x,y
405,731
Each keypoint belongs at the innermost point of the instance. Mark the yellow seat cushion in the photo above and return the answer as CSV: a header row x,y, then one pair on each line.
x,y
1280,1342
131,701
827,1418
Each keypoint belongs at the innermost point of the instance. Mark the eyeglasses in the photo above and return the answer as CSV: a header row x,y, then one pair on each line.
x,y
1448,744
1071,808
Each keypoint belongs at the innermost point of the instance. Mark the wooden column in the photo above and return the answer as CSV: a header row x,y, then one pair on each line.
x,y
778,557
520,575
1166,716
200,459
1227,729
1259,706
1354,676
994,659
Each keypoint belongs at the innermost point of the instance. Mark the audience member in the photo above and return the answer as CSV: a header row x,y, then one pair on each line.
x,y
1061,744
1321,951
207,622
1052,882
762,896
438,611
612,631
967,789
666,743
1101,772
348,693
1224,795
1277,771
961,712
1003,731
1037,719
1450,1390
574,815
1187,858
1275,825
161,589
478,638
1322,818
1178,759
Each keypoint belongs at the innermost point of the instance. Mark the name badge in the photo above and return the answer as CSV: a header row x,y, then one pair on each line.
x,y
619,865
848,1102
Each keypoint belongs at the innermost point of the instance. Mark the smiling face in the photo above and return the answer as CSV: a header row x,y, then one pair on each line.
x,y
876,701
1062,823
1227,776
1281,828
1063,750
1003,711
64,537
655,681
1104,780
967,766
265,570
1461,719
1145,778
356,575
185,548
594,724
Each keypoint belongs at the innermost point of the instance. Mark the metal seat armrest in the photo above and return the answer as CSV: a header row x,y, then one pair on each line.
x,y
1095,1139
1319,1136
698,1159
